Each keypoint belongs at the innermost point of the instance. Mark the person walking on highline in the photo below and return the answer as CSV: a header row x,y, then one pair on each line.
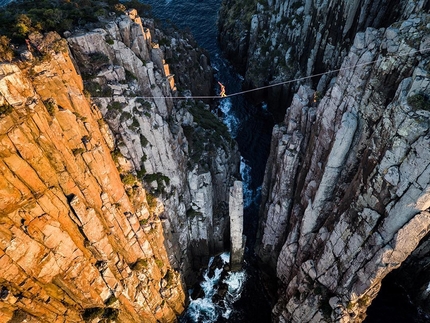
x,y
222,93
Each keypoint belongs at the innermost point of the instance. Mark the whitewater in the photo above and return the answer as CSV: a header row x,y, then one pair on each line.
x,y
209,308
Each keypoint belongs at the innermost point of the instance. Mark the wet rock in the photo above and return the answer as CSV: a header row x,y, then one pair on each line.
x,y
197,292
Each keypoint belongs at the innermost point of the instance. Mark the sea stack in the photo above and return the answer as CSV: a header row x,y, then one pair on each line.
x,y
237,239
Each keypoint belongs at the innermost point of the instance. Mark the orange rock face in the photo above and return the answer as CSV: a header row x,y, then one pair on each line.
x,y
72,248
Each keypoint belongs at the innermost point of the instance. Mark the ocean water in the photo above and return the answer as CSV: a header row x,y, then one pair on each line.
x,y
199,16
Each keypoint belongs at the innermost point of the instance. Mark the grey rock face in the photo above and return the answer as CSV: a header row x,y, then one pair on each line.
x,y
345,197
237,240
285,39
155,133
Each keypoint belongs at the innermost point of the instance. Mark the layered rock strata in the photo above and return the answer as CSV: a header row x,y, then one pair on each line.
x,y
345,197
101,199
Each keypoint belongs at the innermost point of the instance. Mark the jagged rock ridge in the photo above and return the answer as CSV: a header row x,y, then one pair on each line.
x,y
160,137
100,200
345,201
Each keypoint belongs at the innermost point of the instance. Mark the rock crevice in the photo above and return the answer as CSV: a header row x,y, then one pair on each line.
x,y
345,192
107,199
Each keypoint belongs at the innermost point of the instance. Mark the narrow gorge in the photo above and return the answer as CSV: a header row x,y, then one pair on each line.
x,y
113,193
116,177
345,196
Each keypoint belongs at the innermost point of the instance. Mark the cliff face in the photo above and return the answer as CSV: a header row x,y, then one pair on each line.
x,y
101,199
345,197
182,152
71,237
278,40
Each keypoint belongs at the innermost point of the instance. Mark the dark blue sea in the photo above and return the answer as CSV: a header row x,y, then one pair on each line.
x,y
200,16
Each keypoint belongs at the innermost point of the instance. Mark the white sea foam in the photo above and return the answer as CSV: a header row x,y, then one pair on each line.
x,y
225,257
208,284
229,119
204,310
235,282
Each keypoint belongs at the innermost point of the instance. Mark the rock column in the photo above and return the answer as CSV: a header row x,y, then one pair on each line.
x,y
237,239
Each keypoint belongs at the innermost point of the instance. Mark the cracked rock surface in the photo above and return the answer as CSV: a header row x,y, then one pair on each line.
x,y
106,203
346,191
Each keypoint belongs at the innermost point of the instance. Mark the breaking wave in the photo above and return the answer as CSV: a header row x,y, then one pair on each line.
x,y
221,289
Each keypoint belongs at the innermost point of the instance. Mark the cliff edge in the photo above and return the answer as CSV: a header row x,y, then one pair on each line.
x,y
345,195
107,199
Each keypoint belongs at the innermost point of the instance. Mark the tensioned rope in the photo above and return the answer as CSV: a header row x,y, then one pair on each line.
x,y
281,83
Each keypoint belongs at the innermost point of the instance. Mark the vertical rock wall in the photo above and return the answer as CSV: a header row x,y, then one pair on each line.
x,y
149,124
237,239
344,201
72,241
345,198
280,40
